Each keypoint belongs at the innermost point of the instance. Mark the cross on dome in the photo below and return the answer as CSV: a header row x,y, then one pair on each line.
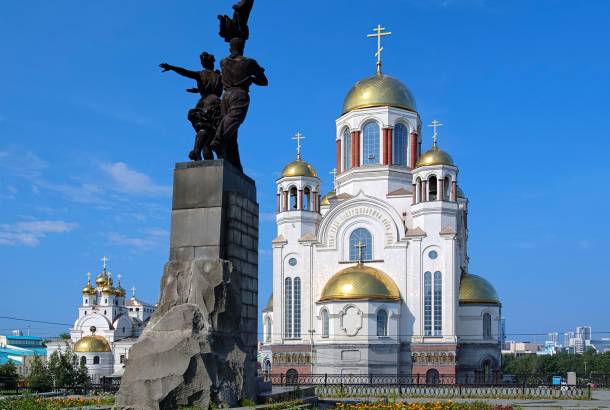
x,y
360,247
104,262
133,291
434,124
379,33
298,137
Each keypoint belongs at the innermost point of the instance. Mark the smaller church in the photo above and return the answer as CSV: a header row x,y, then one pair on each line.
x,y
108,324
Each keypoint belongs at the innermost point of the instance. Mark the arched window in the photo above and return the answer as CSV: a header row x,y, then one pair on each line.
x,y
401,138
432,188
292,376
293,198
438,304
307,199
347,149
267,329
363,236
83,360
325,323
486,326
96,360
433,377
370,143
382,323
267,366
427,304
297,308
288,308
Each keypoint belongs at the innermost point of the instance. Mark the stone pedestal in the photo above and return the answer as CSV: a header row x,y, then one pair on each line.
x,y
200,344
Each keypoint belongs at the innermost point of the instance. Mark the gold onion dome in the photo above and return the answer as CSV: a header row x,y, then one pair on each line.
x,y
326,198
88,290
434,156
108,289
120,292
360,282
102,279
92,344
379,90
476,290
299,168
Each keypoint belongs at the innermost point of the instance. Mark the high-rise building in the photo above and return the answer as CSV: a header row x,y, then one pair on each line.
x,y
554,337
583,333
568,339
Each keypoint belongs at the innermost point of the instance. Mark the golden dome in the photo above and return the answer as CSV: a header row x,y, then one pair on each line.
x,y
360,282
120,292
269,304
88,290
299,168
102,279
378,90
108,289
92,344
434,156
326,198
476,290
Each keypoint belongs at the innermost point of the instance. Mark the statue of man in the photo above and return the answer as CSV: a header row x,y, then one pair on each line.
x,y
206,114
238,73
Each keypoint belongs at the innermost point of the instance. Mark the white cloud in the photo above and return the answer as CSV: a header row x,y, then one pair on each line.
x,y
30,233
131,181
136,243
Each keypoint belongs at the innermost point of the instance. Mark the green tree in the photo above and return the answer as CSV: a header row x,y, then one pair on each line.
x,y
9,378
66,371
40,379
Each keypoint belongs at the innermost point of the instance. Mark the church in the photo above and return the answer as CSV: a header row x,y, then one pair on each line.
x,y
108,324
373,277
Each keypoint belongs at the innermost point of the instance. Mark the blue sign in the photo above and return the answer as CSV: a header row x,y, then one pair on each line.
x,y
556,380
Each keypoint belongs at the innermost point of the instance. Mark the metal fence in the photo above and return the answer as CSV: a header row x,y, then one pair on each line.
x,y
371,385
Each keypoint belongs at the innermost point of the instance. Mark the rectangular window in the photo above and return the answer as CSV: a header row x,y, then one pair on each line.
x,y
288,308
297,308
438,304
427,304
347,150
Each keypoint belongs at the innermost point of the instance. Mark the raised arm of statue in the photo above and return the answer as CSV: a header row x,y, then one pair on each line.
x,y
259,77
179,70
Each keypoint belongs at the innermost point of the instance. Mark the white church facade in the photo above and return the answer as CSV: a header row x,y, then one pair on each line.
x,y
108,324
373,278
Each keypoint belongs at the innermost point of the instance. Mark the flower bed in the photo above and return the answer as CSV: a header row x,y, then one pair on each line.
x,y
53,403
448,405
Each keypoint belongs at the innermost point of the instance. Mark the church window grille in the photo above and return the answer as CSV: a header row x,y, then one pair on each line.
x,y
96,360
86,301
288,308
122,358
83,360
370,143
432,188
347,149
399,152
427,304
382,323
486,326
306,199
438,304
297,308
293,198
361,235
267,329
325,323
105,301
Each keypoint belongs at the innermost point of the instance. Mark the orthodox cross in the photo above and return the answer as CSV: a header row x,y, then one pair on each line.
x,y
104,262
89,277
434,124
360,246
133,291
334,174
379,33
298,137
119,277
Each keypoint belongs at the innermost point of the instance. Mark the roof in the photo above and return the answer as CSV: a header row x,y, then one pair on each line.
x,y
299,168
379,90
360,282
477,290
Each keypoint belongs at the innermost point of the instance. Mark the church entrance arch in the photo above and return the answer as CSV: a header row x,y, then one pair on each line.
x,y
433,377
292,376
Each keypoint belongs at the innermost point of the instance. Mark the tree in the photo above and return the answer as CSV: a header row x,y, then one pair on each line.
x,y
9,378
64,336
40,379
66,371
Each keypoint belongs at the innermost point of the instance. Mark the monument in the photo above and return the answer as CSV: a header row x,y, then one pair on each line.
x,y
199,347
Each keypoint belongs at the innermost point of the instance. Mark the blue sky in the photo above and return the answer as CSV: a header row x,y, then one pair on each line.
x,y
90,130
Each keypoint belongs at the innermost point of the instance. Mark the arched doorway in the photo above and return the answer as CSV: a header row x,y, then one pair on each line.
x,y
292,376
267,367
433,377
487,368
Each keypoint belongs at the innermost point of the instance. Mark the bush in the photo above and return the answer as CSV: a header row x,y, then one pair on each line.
x,y
40,378
9,378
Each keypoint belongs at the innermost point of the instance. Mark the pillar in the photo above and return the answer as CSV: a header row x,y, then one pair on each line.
x,y
339,156
314,200
300,200
285,200
424,191
355,149
454,191
279,202
414,194
413,144
387,146
440,187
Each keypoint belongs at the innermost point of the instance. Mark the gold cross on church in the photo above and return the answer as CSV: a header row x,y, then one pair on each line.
x,y
434,124
379,33
360,246
298,137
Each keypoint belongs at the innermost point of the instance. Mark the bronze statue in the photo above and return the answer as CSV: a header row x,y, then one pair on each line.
x,y
236,27
238,73
206,114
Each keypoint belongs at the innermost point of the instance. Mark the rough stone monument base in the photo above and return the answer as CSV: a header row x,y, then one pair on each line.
x,y
200,344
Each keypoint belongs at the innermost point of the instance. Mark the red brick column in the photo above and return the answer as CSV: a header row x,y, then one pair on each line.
x,y
413,150
387,146
300,200
338,156
414,194
314,200
454,191
440,186
424,191
285,200
355,149
279,203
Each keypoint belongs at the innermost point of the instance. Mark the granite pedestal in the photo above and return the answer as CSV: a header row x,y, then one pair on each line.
x,y
200,344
